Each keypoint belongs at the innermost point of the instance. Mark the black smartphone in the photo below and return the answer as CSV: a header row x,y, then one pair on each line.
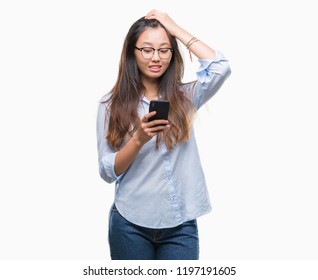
x,y
162,109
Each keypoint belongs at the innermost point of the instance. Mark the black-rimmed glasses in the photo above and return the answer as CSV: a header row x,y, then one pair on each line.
x,y
148,52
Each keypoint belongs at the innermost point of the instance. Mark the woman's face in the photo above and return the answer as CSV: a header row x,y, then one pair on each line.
x,y
154,66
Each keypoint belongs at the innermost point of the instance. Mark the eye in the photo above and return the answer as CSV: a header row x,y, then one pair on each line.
x,y
147,50
163,51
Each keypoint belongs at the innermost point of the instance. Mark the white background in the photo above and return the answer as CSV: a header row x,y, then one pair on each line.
x,y
257,137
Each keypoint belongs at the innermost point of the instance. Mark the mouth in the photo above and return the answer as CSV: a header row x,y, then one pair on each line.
x,y
155,68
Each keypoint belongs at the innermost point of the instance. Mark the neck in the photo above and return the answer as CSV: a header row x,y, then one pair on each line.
x,y
151,91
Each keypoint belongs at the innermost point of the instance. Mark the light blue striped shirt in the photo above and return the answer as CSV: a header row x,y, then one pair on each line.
x,y
162,188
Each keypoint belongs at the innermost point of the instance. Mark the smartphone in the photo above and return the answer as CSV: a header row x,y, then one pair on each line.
x,y
162,109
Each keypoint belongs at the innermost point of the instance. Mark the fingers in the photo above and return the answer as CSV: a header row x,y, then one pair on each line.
x,y
145,120
153,13
147,116
153,127
147,130
166,129
164,19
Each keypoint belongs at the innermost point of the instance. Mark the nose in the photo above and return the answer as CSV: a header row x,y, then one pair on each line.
x,y
155,56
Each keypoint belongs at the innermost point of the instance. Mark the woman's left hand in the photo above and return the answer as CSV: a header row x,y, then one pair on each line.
x,y
165,20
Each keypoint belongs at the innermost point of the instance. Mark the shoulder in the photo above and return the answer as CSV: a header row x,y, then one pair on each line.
x,y
104,104
105,98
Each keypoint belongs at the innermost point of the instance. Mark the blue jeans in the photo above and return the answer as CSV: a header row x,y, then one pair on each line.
x,y
128,241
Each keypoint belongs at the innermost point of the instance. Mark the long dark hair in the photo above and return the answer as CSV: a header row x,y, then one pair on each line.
x,y
128,90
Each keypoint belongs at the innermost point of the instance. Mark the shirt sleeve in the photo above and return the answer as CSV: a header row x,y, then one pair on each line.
x,y
106,154
210,77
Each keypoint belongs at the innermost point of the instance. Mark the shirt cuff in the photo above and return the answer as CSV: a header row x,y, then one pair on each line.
x,y
108,163
206,67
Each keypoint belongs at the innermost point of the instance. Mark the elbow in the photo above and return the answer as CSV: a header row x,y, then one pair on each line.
x,y
107,178
106,168
226,70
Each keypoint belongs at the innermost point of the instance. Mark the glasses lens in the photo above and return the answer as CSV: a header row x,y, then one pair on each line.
x,y
164,53
147,52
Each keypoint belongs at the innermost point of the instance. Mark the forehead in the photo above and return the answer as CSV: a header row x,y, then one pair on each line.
x,y
153,36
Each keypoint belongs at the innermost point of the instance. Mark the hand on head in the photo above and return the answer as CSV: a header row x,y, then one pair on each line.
x,y
164,19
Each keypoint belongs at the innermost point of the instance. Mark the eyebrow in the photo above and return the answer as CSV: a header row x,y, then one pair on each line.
x,y
162,44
